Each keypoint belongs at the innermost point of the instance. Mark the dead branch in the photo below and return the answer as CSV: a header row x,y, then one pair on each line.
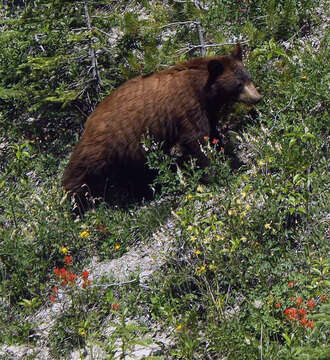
x,y
178,23
200,37
192,47
114,284
92,53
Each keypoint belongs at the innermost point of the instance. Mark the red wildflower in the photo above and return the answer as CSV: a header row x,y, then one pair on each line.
x,y
277,305
299,301
64,282
84,275
68,260
303,321
55,289
85,284
302,313
310,304
291,284
206,138
57,272
291,313
53,298
115,306
323,297
71,277
215,141
62,274
292,298
310,324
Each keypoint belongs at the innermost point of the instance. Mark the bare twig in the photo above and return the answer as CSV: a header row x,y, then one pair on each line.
x,y
105,286
202,44
37,40
92,53
192,47
178,23
101,31
295,34
261,356
228,293
201,39
281,110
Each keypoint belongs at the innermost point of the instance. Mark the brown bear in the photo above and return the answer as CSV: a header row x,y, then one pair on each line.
x,y
177,106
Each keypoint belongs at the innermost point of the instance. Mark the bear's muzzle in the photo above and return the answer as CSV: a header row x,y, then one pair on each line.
x,y
249,94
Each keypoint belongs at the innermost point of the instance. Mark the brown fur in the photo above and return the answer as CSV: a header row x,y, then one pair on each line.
x,y
176,106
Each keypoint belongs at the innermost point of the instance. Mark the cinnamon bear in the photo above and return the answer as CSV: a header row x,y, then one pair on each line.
x,y
175,106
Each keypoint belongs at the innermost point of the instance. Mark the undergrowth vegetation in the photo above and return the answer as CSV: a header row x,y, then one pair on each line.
x,y
248,272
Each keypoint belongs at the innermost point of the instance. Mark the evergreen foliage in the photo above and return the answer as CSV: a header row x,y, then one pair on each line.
x,y
246,247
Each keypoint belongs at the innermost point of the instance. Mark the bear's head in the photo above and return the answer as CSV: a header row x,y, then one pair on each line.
x,y
229,81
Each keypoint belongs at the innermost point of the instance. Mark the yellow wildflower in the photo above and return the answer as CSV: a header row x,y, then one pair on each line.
x,y
82,332
197,252
84,234
64,250
193,238
212,266
190,196
304,77
200,188
248,207
179,327
207,240
261,162
243,238
230,212
267,226
190,228
201,269
117,246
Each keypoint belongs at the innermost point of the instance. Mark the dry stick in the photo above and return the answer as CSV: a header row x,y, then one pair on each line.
x,y
178,23
191,47
92,53
261,342
114,284
281,110
199,31
37,40
202,44
101,31
201,40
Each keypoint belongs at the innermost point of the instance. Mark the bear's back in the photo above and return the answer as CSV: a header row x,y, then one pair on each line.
x,y
154,103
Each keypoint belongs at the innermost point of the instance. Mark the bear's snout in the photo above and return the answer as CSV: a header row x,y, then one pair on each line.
x,y
249,94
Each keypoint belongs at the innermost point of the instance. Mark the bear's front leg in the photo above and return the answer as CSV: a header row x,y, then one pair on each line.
x,y
193,130
193,149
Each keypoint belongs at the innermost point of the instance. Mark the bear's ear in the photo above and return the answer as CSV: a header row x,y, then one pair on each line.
x,y
215,68
237,53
